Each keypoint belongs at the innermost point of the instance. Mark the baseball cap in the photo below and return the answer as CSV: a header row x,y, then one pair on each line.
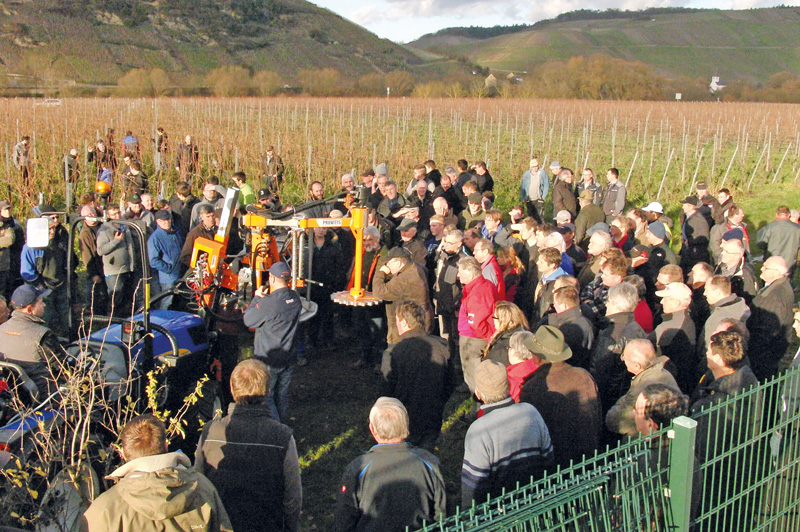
x,y
691,200
734,234
676,290
640,250
5,204
162,214
555,164
26,295
701,185
133,198
264,193
586,195
654,207
280,269
563,216
566,228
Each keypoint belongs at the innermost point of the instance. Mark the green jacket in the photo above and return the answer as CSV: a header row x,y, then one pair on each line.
x,y
157,493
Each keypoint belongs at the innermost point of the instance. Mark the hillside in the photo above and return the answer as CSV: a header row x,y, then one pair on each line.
x,y
97,41
748,45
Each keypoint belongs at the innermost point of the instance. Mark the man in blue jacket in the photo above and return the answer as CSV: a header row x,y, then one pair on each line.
x,y
534,189
164,249
275,316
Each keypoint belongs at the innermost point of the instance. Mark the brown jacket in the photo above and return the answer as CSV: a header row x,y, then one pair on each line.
x,y
409,284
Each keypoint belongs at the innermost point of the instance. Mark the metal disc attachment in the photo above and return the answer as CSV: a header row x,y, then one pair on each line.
x,y
346,298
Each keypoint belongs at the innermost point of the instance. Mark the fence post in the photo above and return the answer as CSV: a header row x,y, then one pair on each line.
x,y
681,470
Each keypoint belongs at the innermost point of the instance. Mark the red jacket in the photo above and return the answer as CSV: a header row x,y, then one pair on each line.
x,y
491,262
477,307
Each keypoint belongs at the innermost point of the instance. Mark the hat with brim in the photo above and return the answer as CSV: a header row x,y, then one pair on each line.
x,y
407,224
163,214
566,228
548,344
586,195
691,200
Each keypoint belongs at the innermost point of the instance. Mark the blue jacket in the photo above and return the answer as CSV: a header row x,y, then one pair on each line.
x,y
164,250
544,185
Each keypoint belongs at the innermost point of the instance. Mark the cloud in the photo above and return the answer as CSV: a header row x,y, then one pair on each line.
x,y
473,11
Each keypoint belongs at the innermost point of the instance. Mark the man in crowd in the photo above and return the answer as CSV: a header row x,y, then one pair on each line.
x,y
781,237
115,245
416,371
273,168
507,445
249,452
475,321
156,490
187,160
447,290
656,236
577,329
564,395
400,280
395,484
770,324
615,196
164,250
484,253
274,313
694,235
647,368
534,190
26,340
589,215
676,335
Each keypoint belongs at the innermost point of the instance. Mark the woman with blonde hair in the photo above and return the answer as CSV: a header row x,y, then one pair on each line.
x,y
513,270
508,319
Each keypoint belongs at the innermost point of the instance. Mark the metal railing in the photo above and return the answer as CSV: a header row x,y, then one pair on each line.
x,y
738,469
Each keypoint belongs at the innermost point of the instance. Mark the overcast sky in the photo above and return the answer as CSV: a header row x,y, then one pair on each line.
x,y
406,20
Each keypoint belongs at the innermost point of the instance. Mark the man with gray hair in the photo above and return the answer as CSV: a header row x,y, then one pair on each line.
x,y
646,367
506,446
394,485
607,368
770,323
599,241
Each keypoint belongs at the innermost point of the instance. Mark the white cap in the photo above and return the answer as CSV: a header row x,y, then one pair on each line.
x,y
563,216
655,207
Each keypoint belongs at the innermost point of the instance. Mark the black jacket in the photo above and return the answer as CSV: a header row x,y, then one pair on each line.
x,y
416,372
770,326
247,452
578,334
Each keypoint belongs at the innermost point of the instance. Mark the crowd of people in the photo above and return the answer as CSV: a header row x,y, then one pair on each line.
x,y
571,320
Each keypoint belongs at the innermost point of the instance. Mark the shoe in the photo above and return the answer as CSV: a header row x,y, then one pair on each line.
x,y
358,364
302,361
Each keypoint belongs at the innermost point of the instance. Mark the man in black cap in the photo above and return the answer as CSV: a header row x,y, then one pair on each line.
x,y
274,313
409,241
27,341
707,204
656,236
694,235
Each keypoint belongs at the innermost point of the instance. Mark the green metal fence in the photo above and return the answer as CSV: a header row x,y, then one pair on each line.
x,y
743,475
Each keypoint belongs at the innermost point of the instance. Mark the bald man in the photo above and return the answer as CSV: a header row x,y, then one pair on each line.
x,y
770,323
647,368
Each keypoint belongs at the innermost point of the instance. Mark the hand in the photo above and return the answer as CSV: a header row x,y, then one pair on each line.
x,y
385,269
262,291
118,235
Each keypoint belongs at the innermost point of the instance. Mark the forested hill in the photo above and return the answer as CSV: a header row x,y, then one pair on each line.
x,y
749,45
98,41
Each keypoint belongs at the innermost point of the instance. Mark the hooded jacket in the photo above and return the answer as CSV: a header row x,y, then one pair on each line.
x,y
157,493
